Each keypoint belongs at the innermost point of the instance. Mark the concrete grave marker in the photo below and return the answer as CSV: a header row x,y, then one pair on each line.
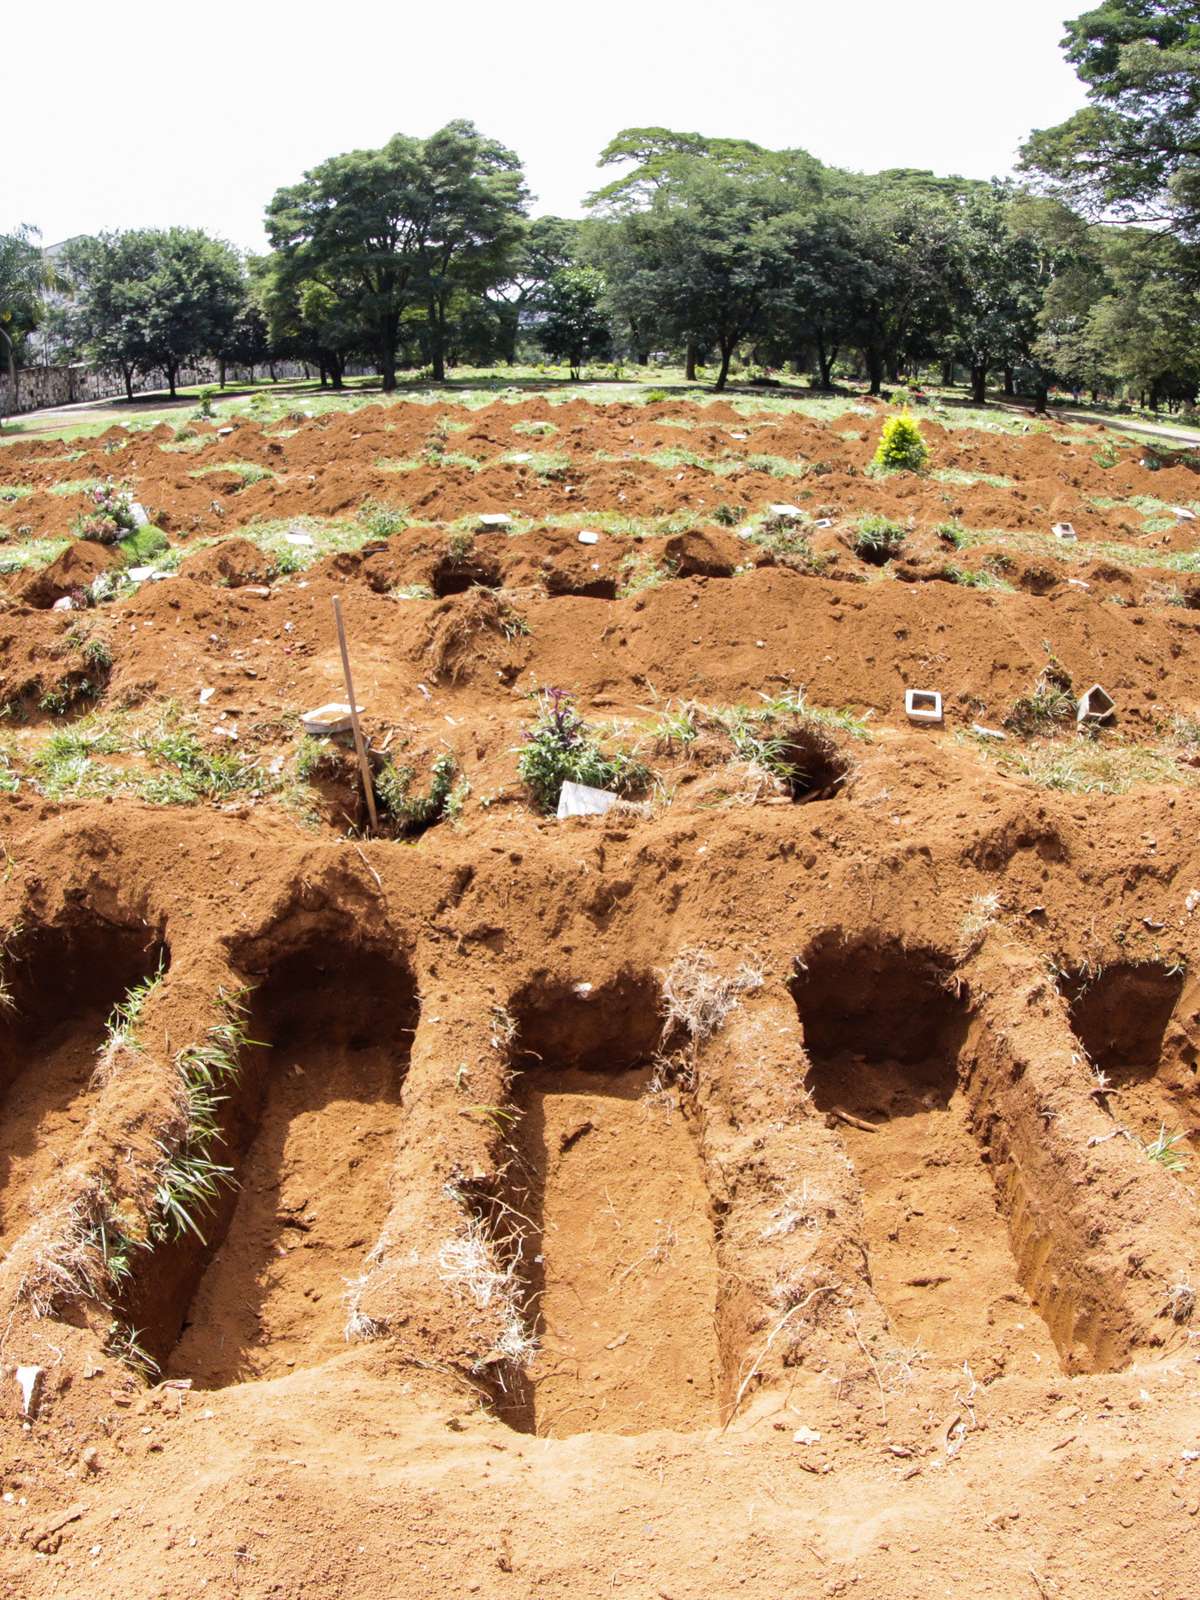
x,y
495,521
580,800
328,719
588,537
923,705
783,512
1096,706
141,517
1064,530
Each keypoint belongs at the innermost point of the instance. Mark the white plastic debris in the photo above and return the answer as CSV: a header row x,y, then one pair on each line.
x,y
588,537
304,539
1191,901
739,435
1097,705
785,512
206,695
1064,530
520,458
495,521
222,432
922,705
823,522
63,604
331,718
806,1436
582,990
29,1381
987,733
1078,583
1184,514
579,800
139,574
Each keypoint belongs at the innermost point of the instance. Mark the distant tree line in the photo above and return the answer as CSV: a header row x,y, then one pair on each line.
x,y
717,253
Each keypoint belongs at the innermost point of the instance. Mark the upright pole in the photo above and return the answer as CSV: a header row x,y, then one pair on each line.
x,y
360,747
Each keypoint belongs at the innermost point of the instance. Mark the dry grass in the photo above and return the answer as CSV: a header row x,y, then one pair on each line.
x,y
470,1265
697,997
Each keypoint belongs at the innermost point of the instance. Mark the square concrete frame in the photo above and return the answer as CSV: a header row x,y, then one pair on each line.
x,y
1064,530
922,705
1097,705
331,718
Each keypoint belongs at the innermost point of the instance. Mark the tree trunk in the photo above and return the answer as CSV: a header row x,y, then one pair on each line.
x,y
727,348
979,374
690,361
1041,399
874,369
222,369
947,374
1010,388
172,368
271,370
893,369
127,374
337,368
437,340
825,359
12,371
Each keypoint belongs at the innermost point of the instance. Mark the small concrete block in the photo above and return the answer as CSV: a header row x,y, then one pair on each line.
x,y
495,521
588,537
785,512
1064,530
579,800
922,705
139,574
1097,705
823,522
140,515
328,719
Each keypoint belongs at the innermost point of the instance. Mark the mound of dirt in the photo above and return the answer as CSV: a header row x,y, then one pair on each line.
x,y
231,564
70,573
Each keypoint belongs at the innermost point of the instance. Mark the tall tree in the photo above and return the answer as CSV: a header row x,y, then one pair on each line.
x,y
574,324
154,298
1134,152
402,226
23,277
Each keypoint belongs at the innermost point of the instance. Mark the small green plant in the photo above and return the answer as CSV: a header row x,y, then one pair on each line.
x,y
901,447
204,403
413,813
654,397
952,533
411,591
381,520
727,516
1048,708
560,747
1161,1149
878,539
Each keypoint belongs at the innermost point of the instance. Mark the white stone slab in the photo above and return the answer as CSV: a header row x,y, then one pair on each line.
x,y
579,800
327,719
588,537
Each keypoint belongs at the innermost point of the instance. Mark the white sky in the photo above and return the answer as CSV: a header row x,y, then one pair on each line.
x,y
126,113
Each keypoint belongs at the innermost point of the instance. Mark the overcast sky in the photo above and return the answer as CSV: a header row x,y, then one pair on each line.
x,y
131,113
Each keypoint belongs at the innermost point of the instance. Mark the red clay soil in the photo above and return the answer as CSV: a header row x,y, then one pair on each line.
x,y
742,1193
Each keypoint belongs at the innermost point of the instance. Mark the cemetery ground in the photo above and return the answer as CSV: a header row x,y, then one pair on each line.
x,y
784,1183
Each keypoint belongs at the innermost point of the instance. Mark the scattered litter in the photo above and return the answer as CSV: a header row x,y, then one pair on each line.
x,y
521,457
785,513
1078,583
823,522
29,1381
739,435
222,432
806,1436
1155,927
584,989
1192,901
206,695
922,705
1095,706
301,539
1189,1455
65,604
1183,513
987,733
425,691
588,537
495,521
260,590
333,717
1064,530
579,800
139,574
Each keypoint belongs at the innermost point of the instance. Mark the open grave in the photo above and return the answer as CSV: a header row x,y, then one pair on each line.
x,y
618,1256
64,983
310,1133
885,1037
1128,1019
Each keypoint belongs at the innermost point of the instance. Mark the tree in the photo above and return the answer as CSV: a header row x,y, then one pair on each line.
x,y
574,324
545,245
23,276
405,225
1134,152
154,298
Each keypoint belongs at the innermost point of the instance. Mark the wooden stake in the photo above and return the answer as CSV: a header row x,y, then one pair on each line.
x,y
364,765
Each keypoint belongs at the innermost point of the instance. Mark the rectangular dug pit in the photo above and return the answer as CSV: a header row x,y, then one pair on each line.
x,y
884,1039
310,1133
619,1263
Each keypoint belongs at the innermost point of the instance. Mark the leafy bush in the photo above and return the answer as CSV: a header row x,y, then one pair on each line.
x,y
381,520
901,447
415,812
560,748
654,397
728,516
205,398
878,539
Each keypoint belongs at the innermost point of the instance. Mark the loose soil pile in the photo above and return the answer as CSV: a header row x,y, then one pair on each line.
x,y
783,1185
